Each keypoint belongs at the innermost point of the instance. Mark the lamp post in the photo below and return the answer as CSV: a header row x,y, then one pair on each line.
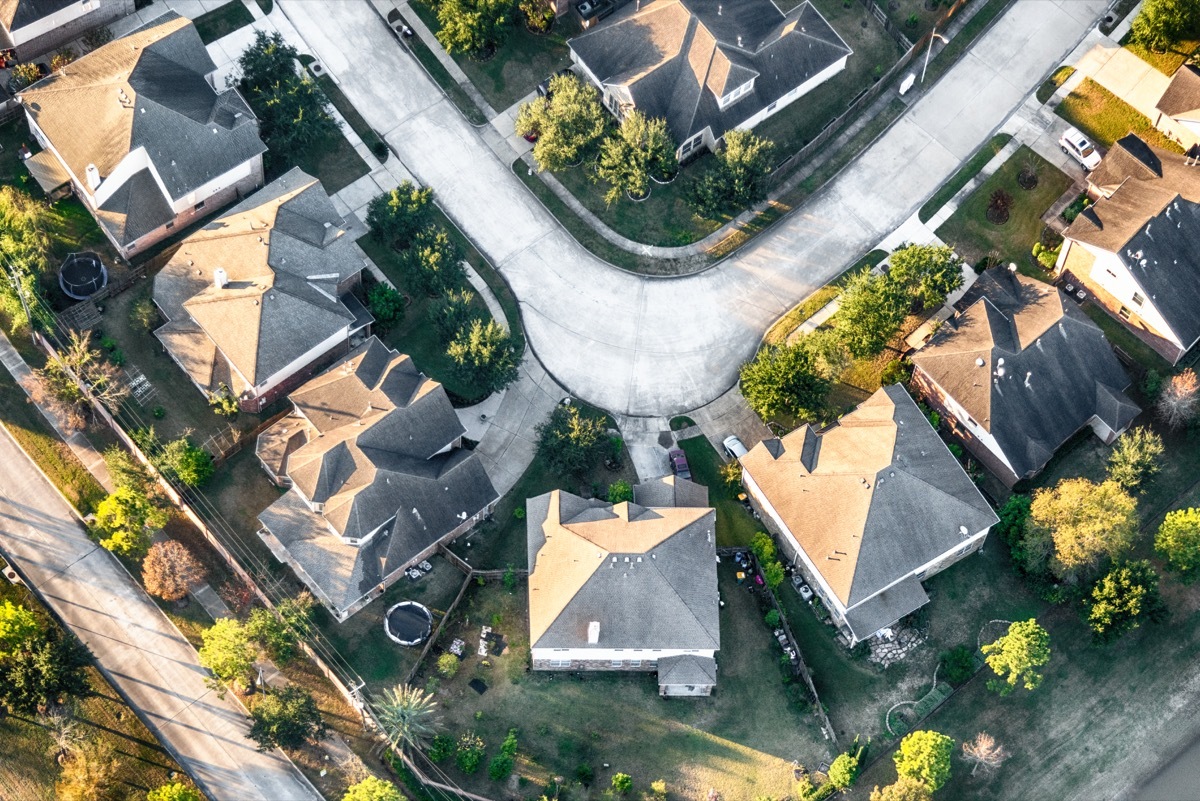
x,y
933,35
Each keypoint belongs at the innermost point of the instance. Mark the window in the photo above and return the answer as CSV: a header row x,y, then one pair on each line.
x,y
618,663
560,663
170,225
1123,313
1138,300
199,205
636,663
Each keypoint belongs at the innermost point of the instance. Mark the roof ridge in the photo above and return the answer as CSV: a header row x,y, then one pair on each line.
x,y
680,598
934,487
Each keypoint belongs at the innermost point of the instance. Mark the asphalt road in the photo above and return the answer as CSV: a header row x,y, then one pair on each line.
x,y
136,646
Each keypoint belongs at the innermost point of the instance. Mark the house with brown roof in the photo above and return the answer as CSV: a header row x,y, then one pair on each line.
x,y
1179,107
867,509
142,136
259,299
708,66
31,28
626,587
377,477
1018,371
1135,248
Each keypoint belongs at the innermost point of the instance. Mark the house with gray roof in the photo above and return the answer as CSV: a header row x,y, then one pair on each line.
x,y
867,509
144,138
376,475
707,66
1179,107
31,28
1019,371
626,587
260,298
1135,250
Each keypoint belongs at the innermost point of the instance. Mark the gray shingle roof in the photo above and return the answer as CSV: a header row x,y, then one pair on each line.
x,y
677,57
1047,368
688,669
670,491
135,209
15,14
886,608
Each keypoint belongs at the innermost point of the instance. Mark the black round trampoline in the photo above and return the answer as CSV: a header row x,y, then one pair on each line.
x,y
82,275
408,623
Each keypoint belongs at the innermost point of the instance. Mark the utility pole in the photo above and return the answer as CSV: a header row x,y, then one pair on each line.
x,y
933,35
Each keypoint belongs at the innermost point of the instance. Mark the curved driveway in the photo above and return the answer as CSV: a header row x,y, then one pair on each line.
x,y
660,346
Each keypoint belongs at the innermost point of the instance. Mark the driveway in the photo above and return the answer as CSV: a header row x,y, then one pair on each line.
x,y
643,346
141,653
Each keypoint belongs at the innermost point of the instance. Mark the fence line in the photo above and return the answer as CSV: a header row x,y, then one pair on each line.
x,y
438,631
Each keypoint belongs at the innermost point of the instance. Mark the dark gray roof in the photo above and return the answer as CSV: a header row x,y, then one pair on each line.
x,y
670,491
135,209
675,58
886,608
689,669
16,14
1183,93
1047,368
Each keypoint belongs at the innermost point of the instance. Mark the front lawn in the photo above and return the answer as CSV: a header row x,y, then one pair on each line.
x,y
1051,84
970,232
1104,118
963,177
735,525
222,21
1166,62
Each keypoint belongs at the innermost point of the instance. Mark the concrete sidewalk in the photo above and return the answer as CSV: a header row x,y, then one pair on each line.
x,y
141,653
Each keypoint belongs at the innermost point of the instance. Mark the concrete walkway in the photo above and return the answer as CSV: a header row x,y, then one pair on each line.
x,y
140,652
1124,74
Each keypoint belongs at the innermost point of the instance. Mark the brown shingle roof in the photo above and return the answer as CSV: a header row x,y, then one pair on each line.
x,y
1182,98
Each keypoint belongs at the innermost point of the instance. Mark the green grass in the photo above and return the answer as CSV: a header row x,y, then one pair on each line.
x,y
1051,84
333,161
969,231
1120,336
1166,62
240,490
222,21
440,75
964,175
355,120
741,740
735,526
1105,118
783,328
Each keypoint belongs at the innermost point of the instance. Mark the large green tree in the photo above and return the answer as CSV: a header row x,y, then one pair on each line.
x,y
228,652
452,312
1162,24
571,443
641,147
928,272
48,667
286,717
1178,541
1076,525
925,756
485,355
1122,599
783,379
433,262
904,789
870,311
395,217
474,27
1135,458
125,520
566,123
19,627
24,251
1016,656
737,179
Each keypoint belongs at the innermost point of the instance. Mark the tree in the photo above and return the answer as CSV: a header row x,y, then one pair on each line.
x,y
925,756
264,60
641,147
1135,458
124,521
372,789
386,305
26,74
905,789
127,472
170,570
1016,656
783,379
1176,403
843,771
773,574
871,310
500,767
469,752
1178,541
1077,524
620,491
25,246
1122,599
143,314
49,668
473,27
286,717
63,727
571,443
539,14
50,388
174,792
984,752
447,665
957,664
746,161
928,272
190,465
228,652
622,783
433,262
406,715
61,59
395,217
277,632
1013,516
452,312
566,123
19,627
485,356
1162,24
90,774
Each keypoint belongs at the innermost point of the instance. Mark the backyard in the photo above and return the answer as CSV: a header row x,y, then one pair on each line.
x,y
740,741
1104,118
735,526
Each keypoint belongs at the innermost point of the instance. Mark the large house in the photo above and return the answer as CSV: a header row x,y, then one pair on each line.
x,y
1135,248
627,586
260,298
1019,371
708,66
1179,107
140,134
30,28
868,509
377,478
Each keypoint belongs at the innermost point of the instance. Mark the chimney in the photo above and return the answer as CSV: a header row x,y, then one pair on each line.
x,y
93,178
594,632
220,278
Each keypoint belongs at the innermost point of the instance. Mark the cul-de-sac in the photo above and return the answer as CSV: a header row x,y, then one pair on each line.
x,y
599,400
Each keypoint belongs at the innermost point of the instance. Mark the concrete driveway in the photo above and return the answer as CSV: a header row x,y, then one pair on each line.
x,y
652,346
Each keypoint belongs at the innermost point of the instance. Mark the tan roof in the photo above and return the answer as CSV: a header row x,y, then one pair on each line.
x,y
47,171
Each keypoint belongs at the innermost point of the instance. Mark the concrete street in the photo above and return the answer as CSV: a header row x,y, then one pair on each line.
x,y
136,646
649,346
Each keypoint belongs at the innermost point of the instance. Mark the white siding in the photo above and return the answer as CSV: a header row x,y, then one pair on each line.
x,y
48,23
981,434
614,654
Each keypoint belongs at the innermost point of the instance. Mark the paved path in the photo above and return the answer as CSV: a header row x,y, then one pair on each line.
x,y
140,651
655,347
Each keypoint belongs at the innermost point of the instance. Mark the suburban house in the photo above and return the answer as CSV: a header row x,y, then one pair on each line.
x,y
868,509
626,586
1135,248
140,134
259,299
377,478
708,66
1019,371
33,27
1179,107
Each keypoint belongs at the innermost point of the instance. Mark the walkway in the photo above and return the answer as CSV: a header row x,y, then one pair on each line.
x,y
655,347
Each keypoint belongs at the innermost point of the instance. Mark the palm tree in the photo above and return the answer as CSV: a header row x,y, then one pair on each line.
x,y
406,715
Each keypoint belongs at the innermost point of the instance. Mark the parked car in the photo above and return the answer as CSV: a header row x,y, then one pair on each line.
x,y
1080,148
734,447
679,463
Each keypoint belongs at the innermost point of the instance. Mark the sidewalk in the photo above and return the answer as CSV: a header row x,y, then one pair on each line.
x,y
426,36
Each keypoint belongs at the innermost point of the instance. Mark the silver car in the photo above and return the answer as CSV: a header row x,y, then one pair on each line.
x,y
734,447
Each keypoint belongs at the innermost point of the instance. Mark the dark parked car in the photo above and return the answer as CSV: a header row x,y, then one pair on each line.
x,y
679,464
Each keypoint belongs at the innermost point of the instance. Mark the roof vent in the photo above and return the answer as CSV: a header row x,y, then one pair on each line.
x,y
93,177
594,632
220,278
718,9
979,362
962,531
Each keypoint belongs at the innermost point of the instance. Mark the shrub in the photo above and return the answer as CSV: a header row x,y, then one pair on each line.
x,y
500,768
441,748
447,665
896,372
622,783
1178,541
386,305
143,314
585,774
619,492
771,618
843,771
469,753
97,37
61,59
957,664
223,402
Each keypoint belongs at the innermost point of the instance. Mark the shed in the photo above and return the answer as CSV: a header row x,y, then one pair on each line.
x,y
686,675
